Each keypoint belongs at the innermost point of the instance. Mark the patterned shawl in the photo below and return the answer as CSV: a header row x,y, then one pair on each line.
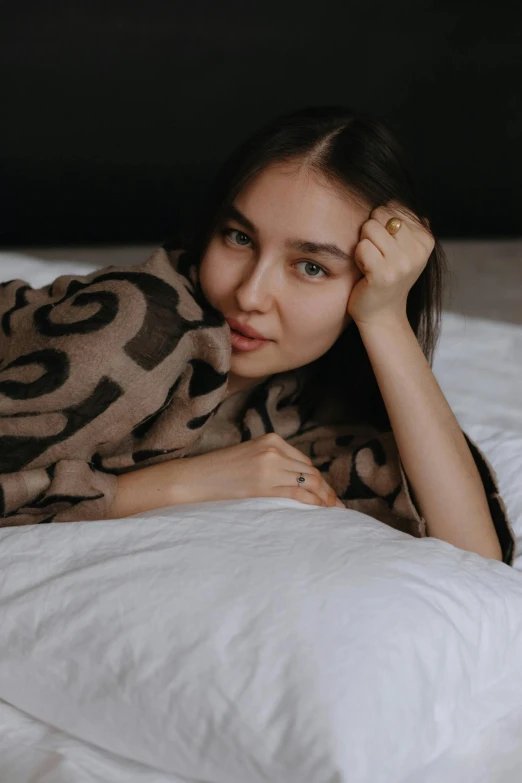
x,y
126,367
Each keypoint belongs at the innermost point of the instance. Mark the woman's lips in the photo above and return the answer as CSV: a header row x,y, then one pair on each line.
x,y
245,330
242,343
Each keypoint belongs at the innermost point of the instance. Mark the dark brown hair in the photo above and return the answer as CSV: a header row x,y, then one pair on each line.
x,y
359,155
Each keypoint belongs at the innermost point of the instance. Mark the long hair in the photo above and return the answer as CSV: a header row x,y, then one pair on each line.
x,y
360,156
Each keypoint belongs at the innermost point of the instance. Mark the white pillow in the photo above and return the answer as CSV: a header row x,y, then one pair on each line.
x,y
258,640
478,364
39,272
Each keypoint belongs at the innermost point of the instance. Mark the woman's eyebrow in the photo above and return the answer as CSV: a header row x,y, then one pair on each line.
x,y
305,246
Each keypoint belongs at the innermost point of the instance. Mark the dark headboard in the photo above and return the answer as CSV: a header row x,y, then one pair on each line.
x,y
115,114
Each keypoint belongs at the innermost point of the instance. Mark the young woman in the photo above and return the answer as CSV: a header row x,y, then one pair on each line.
x,y
313,240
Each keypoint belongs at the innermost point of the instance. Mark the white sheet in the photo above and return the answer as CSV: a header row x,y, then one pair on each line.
x,y
34,752
479,367
331,648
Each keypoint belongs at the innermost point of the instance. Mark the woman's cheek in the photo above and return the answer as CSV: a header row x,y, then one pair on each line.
x,y
211,281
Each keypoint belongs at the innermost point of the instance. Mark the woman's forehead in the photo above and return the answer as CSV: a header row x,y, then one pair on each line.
x,y
298,207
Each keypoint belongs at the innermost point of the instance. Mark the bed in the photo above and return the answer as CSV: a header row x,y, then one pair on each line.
x,y
215,642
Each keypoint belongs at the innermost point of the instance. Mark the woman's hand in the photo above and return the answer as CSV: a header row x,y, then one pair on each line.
x,y
264,467
390,265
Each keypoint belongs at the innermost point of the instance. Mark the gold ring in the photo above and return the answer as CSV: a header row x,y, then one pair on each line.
x,y
393,225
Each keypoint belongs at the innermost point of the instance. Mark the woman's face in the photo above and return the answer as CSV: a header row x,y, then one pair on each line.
x,y
258,269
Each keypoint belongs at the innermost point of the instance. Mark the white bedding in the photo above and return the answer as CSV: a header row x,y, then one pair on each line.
x,y
105,719
254,640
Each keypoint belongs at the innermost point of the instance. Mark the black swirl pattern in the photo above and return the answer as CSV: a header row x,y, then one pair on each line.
x,y
18,451
55,364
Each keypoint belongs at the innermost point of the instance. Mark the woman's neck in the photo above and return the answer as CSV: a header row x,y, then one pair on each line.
x,y
238,384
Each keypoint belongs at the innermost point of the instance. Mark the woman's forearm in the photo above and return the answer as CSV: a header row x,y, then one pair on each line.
x,y
434,452
155,486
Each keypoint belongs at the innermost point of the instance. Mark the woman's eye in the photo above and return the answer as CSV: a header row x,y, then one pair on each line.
x,y
316,267
239,233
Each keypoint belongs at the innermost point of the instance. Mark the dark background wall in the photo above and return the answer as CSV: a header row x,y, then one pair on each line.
x,y
115,113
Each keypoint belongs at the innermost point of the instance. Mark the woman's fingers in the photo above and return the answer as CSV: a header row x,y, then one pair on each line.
x,y
414,231
314,489
367,256
375,231
304,496
313,482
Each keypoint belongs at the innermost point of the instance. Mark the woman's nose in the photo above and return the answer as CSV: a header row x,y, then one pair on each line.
x,y
259,285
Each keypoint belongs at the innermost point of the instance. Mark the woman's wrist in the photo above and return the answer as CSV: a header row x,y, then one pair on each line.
x,y
151,487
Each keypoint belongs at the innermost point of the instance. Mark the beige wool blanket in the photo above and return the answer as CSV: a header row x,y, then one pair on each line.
x,y
126,367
